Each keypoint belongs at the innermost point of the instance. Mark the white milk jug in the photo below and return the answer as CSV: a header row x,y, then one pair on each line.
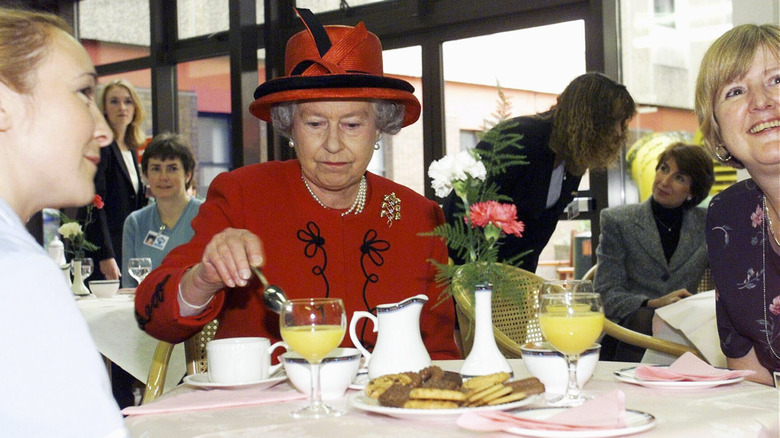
x,y
399,346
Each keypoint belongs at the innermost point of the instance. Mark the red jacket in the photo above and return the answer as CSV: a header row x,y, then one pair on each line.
x,y
310,252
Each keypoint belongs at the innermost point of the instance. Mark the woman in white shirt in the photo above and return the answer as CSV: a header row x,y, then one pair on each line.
x,y
51,131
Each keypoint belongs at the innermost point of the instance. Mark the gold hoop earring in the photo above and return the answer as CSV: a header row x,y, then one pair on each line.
x,y
721,157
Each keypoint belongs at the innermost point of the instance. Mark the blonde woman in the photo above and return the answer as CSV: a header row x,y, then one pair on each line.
x,y
118,180
738,107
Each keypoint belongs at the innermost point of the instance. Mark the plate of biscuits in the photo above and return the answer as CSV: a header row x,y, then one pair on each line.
x,y
434,393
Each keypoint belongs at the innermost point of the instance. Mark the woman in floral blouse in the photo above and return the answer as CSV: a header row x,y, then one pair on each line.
x,y
738,107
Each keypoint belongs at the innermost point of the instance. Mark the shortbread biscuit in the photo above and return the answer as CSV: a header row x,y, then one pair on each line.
x,y
430,404
484,381
436,394
515,396
484,392
501,392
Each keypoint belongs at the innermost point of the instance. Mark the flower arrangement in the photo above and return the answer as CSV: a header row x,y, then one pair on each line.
x,y
73,231
487,216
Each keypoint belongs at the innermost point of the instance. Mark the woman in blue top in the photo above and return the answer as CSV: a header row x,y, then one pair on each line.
x,y
168,165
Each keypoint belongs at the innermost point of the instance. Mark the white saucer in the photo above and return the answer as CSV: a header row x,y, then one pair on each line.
x,y
628,375
636,421
360,381
202,381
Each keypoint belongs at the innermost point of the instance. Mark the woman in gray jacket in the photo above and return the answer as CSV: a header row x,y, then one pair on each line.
x,y
653,254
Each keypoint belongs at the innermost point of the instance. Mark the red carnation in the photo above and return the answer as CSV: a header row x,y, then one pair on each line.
x,y
98,202
503,216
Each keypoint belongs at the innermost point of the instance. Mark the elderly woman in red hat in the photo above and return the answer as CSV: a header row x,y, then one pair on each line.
x,y
320,225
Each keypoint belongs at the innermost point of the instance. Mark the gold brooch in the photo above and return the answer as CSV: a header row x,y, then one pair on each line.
x,y
391,208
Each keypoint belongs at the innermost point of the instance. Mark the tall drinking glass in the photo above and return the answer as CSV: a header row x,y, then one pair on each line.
x,y
571,322
139,268
313,327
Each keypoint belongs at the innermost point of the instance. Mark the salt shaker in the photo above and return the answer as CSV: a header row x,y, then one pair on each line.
x,y
57,251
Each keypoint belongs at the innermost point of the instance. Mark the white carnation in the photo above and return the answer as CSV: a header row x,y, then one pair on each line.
x,y
452,168
70,230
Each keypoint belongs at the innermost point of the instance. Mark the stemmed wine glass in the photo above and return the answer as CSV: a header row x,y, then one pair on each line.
x,y
313,327
139,268
571,322
87,266
560,286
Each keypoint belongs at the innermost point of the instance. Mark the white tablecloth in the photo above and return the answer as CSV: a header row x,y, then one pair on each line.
x,y
691,322
115,332
735,411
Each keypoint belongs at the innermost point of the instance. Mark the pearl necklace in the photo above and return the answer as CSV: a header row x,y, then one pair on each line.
x,y
357,206
763,265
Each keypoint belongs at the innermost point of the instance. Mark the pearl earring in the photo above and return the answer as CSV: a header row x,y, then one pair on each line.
x,y
291,143
376,146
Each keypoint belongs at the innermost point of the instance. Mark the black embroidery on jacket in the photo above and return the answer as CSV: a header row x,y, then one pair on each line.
x,y
370,251
157,297
314,243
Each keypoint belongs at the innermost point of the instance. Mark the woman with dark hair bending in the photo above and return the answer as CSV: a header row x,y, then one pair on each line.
x,y
585,129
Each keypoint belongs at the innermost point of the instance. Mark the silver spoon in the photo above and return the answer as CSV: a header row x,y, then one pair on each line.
x,y
273,296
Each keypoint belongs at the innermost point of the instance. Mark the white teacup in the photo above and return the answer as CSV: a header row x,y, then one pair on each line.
x,y
241,360
548,365
337,371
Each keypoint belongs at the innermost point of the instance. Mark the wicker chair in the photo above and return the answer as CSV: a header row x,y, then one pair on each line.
x,y
194,353
513,325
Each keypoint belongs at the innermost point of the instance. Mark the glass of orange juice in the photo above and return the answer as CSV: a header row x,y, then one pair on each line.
x,y
571,322
313,327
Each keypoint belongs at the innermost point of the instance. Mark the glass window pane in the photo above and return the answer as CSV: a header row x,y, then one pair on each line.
x,y
400,157
204,115
473,102
318,6
114,31
202,17
471,94
663,43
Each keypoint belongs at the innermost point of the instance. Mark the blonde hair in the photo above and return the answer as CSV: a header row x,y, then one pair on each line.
x,y
729,58
25,37
134,136
585,121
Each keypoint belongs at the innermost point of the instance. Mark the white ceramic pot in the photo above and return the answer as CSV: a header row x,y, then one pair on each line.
x,y
549,366
337,371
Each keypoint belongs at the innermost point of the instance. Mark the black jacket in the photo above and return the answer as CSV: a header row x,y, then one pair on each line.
x,y
113,184
528,185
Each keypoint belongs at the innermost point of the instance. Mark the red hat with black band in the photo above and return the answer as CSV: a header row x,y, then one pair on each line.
x,y
333,63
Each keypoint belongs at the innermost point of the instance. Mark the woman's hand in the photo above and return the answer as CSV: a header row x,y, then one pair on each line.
x,y
110,269
226,261
669,298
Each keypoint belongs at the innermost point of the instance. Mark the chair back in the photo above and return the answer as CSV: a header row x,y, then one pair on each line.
x,y
194,354
513,325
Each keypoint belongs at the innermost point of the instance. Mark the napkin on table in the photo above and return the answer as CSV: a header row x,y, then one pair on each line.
x,y
215,399
605,412
687,367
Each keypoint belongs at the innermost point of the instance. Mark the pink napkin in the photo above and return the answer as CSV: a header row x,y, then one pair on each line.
x,y
215,399
690,368
605,412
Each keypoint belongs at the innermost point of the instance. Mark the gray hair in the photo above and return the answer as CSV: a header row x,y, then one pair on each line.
x,y
389,116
